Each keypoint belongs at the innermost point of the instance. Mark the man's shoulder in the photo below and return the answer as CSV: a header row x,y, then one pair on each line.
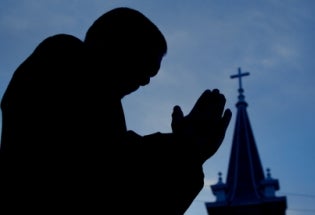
x,y
59,53
63,38
61,43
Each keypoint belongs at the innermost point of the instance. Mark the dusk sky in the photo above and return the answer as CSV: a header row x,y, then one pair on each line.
x,y
273,40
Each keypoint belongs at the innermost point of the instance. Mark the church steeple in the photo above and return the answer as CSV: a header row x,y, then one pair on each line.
x,y
245,170
246,190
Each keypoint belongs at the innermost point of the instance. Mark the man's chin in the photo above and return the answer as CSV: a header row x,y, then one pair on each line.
x,y
130,90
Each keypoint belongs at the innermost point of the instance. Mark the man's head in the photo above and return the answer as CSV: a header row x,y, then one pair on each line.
x,y
128,44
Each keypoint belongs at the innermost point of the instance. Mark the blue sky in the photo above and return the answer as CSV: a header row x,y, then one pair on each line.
x,y
208,41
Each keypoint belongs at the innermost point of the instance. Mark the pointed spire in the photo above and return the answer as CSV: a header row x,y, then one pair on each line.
x,y
269,185
219,189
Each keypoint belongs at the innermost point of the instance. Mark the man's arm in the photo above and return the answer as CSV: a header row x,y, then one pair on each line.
x,y
171,163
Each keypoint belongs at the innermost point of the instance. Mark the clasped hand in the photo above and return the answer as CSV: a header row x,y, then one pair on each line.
x,y
205,126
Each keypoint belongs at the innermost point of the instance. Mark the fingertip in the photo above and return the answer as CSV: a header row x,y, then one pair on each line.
x,y
207,91
176,108
216,90
227,115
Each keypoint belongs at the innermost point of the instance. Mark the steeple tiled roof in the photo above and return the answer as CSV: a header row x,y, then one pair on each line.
x,y
245,170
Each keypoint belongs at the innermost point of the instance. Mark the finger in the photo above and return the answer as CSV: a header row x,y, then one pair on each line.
x,y
215,91
226,119
201,103
217,104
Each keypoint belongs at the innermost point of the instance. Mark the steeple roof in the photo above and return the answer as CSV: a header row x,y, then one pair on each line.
x,y
245,172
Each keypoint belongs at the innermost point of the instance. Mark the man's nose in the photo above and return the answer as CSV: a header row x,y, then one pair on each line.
x,y
144,81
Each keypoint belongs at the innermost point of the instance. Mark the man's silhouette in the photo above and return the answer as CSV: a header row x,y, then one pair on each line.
x,y
65,146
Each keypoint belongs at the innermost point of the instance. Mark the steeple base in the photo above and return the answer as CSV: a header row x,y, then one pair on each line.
x,y
274,206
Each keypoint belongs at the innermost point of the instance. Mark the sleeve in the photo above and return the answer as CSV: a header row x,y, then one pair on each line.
x,y
175,172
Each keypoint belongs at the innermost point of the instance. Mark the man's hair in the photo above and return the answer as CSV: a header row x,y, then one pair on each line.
x,y
124,28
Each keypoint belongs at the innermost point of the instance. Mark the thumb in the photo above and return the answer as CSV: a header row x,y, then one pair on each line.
x,y
177,117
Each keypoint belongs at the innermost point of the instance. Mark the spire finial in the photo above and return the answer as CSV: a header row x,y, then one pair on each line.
x,y
239,75
220,177
268,173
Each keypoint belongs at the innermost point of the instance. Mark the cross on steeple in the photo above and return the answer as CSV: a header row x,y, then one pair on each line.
x,y
239,76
